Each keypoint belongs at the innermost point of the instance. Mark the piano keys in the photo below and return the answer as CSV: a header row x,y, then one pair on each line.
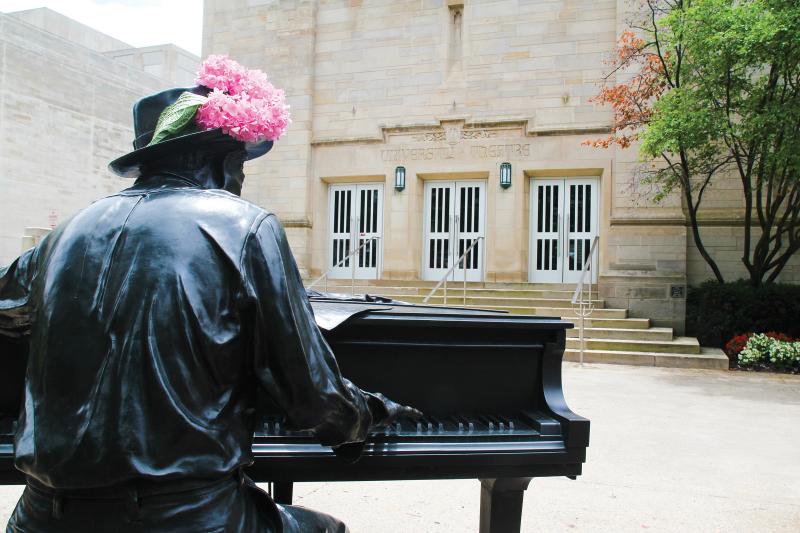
x,y
489,384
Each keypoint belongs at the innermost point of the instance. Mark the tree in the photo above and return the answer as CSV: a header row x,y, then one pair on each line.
x,y
715,91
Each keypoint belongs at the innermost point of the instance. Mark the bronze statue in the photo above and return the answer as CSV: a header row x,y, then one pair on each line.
x,y
154,316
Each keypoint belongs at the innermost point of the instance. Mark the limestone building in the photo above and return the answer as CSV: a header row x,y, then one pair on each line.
x,y
66,93
433,124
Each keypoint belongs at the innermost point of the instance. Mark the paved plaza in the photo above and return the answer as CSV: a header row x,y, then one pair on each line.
x,y
671,450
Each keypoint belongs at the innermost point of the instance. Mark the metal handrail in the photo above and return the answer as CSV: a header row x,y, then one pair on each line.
x,y
582,306
341,262
450,271
584,270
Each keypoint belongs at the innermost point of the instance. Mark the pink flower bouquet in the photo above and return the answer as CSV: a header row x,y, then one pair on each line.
x,y
242,102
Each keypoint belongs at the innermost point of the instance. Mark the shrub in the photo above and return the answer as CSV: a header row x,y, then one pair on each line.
x,y
716,312
734,346
768,352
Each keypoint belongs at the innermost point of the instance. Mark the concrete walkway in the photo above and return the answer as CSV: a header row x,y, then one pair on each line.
x,y
671,450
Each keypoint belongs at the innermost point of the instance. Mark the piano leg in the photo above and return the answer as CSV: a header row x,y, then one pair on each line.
x,y
501,504
282,493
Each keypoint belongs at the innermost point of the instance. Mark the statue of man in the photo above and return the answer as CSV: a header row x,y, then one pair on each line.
x,y
154,316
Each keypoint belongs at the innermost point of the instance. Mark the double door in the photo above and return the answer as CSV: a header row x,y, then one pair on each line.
x,y
455,219
356,227
564,222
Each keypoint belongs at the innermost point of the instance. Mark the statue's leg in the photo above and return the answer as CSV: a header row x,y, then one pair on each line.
x,y
282,493
302,520
501,504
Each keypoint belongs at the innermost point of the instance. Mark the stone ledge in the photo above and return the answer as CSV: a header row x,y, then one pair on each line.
x,y
709,358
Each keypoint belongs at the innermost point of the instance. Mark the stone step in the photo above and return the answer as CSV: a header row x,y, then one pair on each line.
x,y
687,345
708,358
486,301
456,292
650,334
618,323
563,312
346,283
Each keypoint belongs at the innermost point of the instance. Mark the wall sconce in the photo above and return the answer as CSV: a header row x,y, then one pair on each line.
x,y
505,175
400,178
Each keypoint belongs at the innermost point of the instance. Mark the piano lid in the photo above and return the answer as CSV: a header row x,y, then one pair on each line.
x,y
333,310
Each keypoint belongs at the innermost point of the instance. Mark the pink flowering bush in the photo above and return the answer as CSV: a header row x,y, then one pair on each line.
x,y
242,102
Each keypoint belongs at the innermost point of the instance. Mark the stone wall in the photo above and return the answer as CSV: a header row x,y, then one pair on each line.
x,y
406,62
167,61
68,29
65,112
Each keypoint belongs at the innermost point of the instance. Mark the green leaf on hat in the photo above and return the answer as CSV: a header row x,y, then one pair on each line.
x,y
176,116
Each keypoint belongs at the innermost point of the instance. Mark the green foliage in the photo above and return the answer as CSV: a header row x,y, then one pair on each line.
x,y
732,69
719,54
176,117
716,312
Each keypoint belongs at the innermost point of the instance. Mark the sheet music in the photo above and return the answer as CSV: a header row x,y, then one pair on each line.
x,y
329,315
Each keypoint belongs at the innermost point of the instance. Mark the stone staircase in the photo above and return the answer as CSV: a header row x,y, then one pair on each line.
x,y
611,336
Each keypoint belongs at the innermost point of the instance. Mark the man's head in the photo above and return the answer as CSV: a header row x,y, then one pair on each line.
x,y
216,165
209,157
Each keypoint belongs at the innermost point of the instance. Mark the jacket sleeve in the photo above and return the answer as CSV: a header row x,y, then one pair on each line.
x,y
293,362
15,306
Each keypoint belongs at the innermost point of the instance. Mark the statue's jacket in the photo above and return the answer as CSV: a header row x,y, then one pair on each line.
x,y
154,316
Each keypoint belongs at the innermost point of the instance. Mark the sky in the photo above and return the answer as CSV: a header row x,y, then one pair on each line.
x,y
136,22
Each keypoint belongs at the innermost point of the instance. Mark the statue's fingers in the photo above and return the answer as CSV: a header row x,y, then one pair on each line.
x,y
410,412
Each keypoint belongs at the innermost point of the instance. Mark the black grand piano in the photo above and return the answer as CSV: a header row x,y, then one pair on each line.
x,y
488,382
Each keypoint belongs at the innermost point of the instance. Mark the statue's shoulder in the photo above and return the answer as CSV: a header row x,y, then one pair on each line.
x,y
214,209
217,201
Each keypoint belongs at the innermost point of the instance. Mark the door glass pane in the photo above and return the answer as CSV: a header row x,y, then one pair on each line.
x,y
362,199
539,210
538,254
476,221
588,211
571,208
555,208
586,249
467,225
433,211
547,258
336,211
571,252
348,211
547,209
374,211
461,207
446,209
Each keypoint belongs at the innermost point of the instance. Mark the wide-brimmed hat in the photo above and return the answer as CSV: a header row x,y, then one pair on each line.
x,y
146,113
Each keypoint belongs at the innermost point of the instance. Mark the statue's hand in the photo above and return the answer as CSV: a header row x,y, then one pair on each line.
x,y
385,411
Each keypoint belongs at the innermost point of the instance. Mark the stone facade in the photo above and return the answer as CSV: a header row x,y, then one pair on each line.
x,y
450,90
65,112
